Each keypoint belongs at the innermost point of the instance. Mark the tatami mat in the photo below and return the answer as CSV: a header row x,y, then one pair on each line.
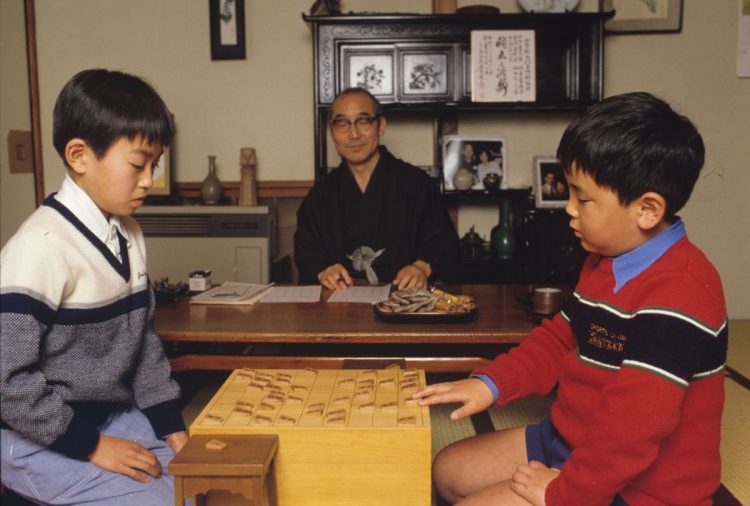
x,y
521,412
739,347
735,441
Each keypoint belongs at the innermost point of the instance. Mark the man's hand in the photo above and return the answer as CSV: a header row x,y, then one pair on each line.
x,y
335,277
413,275
125,457
472,393
176,441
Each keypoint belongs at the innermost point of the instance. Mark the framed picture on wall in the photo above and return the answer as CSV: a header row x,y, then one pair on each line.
x,y
469,160
227,23
550,185
370,68
654,16
162,177
425,73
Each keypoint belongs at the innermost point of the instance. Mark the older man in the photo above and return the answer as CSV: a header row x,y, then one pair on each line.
x,y
373,216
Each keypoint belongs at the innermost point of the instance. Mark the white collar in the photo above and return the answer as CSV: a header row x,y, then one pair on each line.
x,y
80,204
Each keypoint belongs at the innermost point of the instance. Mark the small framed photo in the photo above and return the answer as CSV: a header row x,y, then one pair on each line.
x,y
426,73
227,19
162,176
654,16
550,185
474,163
370,68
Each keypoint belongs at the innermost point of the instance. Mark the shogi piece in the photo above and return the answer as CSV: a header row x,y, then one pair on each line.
x,y
345,436
238,464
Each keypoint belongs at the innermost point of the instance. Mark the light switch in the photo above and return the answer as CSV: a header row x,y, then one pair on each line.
x,y
20,154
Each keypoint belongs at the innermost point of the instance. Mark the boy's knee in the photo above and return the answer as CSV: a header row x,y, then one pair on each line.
x,y
443,478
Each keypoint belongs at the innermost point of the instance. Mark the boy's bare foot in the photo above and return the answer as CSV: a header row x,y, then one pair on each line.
x,y
531,480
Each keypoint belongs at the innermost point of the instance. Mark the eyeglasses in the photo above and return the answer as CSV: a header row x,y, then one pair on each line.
x,y
363,123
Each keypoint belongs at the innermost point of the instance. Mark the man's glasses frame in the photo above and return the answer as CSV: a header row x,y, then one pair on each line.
x,y
363,123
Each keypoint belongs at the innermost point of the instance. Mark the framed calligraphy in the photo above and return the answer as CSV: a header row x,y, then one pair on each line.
x,y
227,20
654,16
503,66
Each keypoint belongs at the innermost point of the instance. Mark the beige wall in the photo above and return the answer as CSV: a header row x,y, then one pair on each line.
x,y
265,101
16,190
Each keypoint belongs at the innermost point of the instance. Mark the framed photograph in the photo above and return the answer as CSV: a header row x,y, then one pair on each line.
x,y
550,185
426,74
370,68
469,161
227,18
162,176
654,16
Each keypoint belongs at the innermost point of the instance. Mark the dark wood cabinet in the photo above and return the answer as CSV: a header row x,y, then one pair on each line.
x,y
422,64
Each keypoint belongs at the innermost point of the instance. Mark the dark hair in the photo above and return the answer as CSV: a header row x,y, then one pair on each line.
x,y
635,143
101,106
376,105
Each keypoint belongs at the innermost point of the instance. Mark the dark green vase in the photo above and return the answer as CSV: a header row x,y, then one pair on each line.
x,y
503,237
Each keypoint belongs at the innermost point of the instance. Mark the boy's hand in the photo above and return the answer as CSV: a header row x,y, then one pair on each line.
x,y
473,393
125,457
176,441
530,481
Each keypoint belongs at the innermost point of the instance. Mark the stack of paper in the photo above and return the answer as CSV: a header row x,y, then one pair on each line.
x,y
232,293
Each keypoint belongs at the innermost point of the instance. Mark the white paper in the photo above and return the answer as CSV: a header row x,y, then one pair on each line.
x,y
743,39
503,66
364,294
293,294
232,293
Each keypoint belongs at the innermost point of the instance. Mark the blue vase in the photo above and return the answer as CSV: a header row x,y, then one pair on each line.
x,y
503,237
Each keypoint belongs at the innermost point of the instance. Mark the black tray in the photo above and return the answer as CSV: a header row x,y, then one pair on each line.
x,y
425,317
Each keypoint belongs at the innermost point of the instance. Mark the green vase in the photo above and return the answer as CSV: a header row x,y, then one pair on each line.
x,y
503,236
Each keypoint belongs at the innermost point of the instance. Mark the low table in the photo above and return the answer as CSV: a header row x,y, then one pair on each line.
x,y
244,466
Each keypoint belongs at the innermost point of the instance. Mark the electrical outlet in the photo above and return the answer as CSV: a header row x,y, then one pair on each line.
x,y
20,152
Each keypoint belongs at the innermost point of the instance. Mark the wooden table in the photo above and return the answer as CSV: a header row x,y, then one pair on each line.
x,y
500,320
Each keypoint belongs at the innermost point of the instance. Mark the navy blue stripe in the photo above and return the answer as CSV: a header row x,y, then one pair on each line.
x,y
67,316
122,268
25,304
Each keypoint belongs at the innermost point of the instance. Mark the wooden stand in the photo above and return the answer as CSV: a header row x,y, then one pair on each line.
x,y
244,466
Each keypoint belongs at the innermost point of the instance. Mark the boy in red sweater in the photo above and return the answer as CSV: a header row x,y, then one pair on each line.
x,y
637,354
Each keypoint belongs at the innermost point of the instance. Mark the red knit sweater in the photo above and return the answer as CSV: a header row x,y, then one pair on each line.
x,y
640,382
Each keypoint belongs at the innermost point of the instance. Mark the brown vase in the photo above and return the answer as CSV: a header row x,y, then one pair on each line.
x,y
211,187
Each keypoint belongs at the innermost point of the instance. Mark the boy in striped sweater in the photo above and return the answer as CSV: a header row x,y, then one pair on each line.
x,y
637,354
90,414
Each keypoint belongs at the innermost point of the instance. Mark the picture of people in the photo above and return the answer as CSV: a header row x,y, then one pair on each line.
x,y
551,188
468,161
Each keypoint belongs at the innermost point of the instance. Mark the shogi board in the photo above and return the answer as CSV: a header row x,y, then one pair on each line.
x,y
345,436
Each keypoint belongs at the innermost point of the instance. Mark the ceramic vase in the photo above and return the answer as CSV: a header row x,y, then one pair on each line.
x,y
503,236
211,187
463,180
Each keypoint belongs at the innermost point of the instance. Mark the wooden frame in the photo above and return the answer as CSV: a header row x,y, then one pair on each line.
x,y
426,73
36,129
370,67
547,193
163,175
659,16
227,21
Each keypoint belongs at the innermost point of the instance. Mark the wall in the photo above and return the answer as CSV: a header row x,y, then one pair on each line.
x,y
265,101
16,190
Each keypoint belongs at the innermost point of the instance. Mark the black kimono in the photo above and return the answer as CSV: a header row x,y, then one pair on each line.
x,y
401,211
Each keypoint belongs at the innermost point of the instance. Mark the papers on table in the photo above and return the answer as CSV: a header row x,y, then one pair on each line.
x,y
232,293
293,294
365,294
